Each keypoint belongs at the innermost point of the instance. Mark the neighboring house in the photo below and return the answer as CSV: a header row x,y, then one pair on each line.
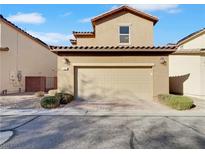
x,y
117,60
26,63
187,66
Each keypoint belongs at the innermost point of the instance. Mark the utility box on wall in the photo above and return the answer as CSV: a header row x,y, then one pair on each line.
x,y
12,76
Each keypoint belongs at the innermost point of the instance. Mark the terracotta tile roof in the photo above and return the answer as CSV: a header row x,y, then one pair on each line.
x,y
77,34
112,48
129,9
23,32
4,49
191,35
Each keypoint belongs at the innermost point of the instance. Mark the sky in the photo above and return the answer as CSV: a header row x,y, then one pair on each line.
x,y
54,24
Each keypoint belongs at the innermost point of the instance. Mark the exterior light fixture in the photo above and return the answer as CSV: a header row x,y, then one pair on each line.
x,y
65,68
162,60
67,62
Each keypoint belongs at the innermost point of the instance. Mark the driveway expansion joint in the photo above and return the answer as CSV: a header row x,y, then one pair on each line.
x,y
132,137
194,129
13,129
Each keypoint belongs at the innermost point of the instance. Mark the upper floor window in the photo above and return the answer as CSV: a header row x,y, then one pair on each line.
x,y
124,34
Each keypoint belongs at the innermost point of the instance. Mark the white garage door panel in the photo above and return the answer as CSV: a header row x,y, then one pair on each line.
x,y
114,83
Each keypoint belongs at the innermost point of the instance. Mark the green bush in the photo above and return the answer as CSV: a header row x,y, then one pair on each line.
x,y
176,102
64,98
49,102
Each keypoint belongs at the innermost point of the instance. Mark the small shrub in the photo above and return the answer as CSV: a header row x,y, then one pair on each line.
x,y
49,102
176,102
64,98
39,94
52,92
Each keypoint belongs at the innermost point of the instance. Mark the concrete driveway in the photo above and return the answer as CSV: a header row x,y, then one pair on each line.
x,y
118,105
104,132
28,104
30,101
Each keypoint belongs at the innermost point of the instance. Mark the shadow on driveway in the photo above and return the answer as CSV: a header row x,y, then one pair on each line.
x,y
77,132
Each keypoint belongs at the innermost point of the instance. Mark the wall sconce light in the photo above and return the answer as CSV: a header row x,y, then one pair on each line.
x,y
65,68
162,60
67,61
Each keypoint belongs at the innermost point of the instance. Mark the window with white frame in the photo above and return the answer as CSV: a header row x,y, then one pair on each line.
x,y
124,34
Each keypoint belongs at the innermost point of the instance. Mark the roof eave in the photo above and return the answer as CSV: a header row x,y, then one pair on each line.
x,y
189,52
112,49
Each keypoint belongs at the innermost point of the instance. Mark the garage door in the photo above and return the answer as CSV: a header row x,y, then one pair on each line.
x,y
114,83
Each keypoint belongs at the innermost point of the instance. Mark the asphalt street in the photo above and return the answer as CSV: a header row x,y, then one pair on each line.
x,y
77,132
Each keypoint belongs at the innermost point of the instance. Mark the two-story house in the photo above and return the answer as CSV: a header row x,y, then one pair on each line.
x,y
117,60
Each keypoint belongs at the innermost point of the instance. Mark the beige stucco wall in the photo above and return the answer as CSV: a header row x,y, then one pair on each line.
x,y
203,76
107,31
25,55
0,35
190,64
196,43
0,57
86,42
160,71
180,65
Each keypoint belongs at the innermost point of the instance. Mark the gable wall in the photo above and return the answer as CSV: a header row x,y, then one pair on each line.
x,y
196,43
107,31
25,55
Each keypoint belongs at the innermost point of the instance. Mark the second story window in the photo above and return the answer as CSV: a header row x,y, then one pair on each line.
x,y
124,34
